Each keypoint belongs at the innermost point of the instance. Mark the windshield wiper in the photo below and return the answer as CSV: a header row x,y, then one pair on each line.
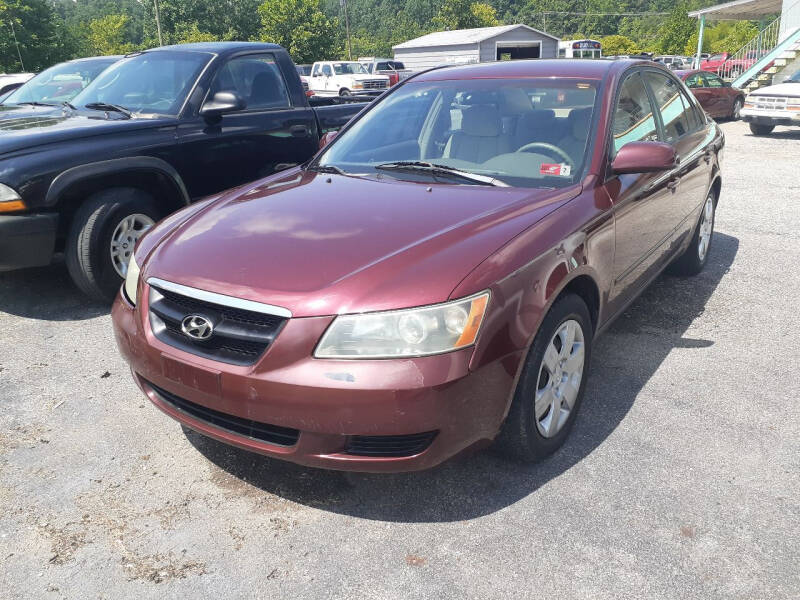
x,y
34,103
420,166
68,105
109,107
327,169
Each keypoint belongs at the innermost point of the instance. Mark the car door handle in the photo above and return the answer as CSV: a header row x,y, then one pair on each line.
x,y
298,130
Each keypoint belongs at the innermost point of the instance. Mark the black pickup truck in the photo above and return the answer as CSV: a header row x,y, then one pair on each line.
x,y
154,132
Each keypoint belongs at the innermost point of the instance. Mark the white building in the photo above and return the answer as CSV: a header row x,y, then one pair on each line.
x,y
484,44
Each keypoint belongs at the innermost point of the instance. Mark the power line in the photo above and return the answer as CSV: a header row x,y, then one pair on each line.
x,y
614,14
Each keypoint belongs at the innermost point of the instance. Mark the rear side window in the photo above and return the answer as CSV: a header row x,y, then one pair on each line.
x,y
714,81
672,105
633,115
256,78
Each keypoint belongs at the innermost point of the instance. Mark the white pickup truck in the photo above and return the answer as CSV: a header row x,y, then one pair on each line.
x,y
345,78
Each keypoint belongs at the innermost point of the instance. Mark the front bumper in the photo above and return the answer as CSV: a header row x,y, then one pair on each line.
x,y
771,117
329,403
27,240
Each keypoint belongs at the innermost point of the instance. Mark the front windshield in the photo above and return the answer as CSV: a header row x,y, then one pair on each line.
x,y
153,82
349,68
526,132
60,83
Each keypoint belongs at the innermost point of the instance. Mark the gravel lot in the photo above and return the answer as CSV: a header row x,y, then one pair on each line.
x,y
681,478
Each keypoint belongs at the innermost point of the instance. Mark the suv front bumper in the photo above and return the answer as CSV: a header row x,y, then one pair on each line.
x,y
27,240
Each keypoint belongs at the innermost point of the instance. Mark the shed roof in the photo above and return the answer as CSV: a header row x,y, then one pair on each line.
x,y
464,36
739,10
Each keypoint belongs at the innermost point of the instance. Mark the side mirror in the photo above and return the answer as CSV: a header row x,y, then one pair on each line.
x,y
644,157
327,139
222,103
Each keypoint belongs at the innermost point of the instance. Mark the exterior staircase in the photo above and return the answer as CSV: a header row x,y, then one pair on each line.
x,y
764,58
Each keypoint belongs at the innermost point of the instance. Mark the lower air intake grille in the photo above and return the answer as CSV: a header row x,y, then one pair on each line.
x,y
389,445
264,432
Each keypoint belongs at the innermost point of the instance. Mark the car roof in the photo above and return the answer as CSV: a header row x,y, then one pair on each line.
x,y
220,48
512,69
110,57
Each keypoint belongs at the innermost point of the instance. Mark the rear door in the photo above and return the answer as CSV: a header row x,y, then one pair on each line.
x,y
269,134
723,100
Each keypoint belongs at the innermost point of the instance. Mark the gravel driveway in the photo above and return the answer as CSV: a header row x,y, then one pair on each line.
x,y
681,478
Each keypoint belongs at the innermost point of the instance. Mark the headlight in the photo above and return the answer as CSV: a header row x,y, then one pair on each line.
x,y
412,332
10,200
358,86
132,279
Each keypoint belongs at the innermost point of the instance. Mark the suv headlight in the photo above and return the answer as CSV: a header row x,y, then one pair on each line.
x,y
404,333
132,279
10,200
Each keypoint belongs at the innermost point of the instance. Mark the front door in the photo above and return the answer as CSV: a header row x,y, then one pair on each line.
x,y
269,134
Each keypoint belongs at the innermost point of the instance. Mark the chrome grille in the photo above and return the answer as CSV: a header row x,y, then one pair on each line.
x,y
375,84
770,102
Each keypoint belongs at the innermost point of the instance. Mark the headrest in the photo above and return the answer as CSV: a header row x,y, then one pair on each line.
x,y
579,119
481,120
539,116
516,101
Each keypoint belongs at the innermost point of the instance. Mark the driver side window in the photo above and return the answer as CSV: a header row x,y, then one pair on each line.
x,y
327,71
633,115
256,78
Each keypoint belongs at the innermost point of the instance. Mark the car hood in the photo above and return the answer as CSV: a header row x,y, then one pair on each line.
x,y
322,244
28,130
13,111
369,77
782,89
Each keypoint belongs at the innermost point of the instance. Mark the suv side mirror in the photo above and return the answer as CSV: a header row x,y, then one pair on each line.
x,y
644,157
327,139
222,103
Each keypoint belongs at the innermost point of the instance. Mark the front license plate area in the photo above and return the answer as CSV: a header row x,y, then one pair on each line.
x,y
192,376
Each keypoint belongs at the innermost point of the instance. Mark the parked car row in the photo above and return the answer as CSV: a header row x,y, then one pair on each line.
x,y
151,133
435,277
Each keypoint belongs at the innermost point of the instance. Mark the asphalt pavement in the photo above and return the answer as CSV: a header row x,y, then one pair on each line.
x,y
681,478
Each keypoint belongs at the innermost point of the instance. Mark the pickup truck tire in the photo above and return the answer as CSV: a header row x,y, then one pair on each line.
x,y
102,217
344,92
757,129
529,433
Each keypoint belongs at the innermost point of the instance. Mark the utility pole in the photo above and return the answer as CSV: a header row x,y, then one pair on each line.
x,y
14,33
158,24
343,4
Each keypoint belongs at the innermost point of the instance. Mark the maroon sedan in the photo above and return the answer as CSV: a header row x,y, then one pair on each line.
x,y
717,97
436,276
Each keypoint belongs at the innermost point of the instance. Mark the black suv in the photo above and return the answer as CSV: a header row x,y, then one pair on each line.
x,y
154,132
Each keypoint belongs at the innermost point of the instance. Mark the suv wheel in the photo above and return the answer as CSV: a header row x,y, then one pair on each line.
x,y
757,129
102,236
552,384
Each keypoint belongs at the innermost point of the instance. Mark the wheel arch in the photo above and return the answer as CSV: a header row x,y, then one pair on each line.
x,y
152,175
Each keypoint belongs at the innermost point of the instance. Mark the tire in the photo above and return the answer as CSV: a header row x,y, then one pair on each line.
x,y
88,251
737,109
522,436
695,257
757,129
345,92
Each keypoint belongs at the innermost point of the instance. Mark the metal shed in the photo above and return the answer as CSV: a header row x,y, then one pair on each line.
x,y
484,44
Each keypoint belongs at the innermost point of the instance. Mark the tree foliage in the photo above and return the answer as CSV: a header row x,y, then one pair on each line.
x,y
614,45
108,35
301,27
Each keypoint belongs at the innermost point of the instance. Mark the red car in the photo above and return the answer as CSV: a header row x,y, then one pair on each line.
x,y
436,276
718,98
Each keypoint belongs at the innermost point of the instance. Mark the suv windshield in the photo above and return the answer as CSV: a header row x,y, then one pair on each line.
x,y
349,68
525,133
60,83
153,82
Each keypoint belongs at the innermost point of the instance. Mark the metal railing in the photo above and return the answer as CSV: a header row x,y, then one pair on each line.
x,y
752,52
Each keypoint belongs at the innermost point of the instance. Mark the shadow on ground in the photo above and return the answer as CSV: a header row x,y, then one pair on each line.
x,y
781,134
47,294
477,484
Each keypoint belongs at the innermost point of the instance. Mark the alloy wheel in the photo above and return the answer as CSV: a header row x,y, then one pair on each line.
x,y
124,238
706,228
560,376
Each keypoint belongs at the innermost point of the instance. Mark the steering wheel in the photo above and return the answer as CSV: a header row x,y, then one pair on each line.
x,y
549,149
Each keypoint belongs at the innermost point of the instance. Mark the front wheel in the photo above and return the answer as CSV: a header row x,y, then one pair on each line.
x,y
345,92
758,129
101,238
552,383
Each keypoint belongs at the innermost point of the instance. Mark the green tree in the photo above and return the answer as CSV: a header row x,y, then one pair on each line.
x,y
464,14
301,27
108,35
40,36
191,33
619,44
677,30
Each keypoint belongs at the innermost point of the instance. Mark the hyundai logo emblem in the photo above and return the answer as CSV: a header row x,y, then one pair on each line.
x,y
197,327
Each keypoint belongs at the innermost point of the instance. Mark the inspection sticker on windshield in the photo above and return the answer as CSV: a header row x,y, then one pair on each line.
x,y
555,169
